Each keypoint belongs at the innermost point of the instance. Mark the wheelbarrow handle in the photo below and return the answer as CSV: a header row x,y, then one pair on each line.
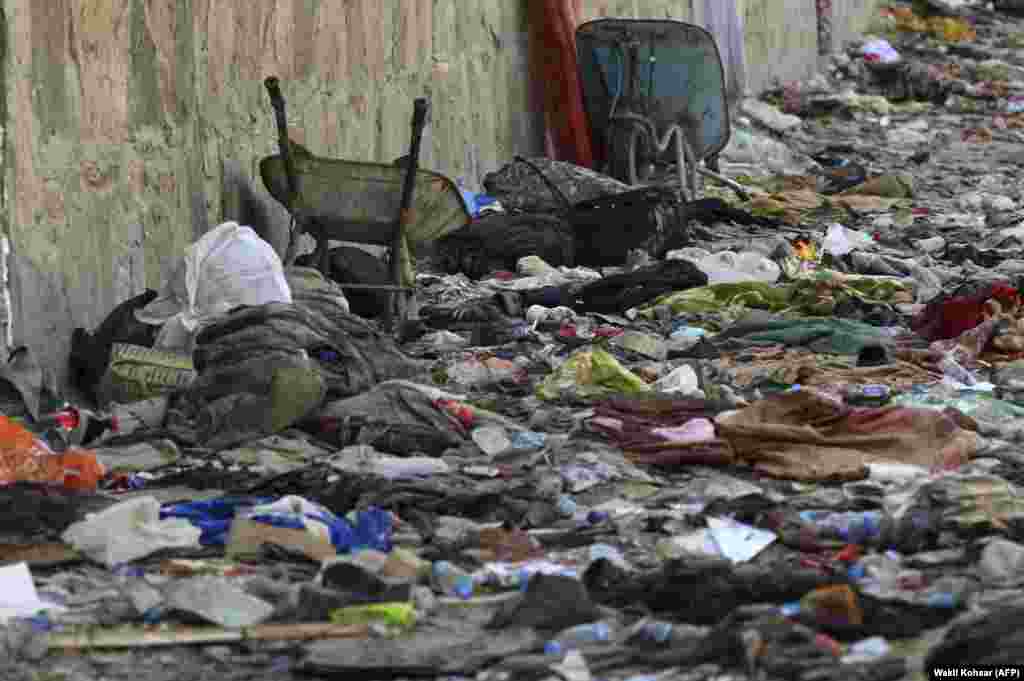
x,y
420,109
273,86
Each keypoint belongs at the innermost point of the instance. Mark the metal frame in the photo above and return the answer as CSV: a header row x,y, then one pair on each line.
x,y
399,302
630,134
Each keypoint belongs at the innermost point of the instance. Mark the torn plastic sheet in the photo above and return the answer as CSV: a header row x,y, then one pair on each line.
x,y
724,538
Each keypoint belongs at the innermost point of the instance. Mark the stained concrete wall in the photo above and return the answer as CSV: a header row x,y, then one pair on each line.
x,y
131,126
851,18
782,40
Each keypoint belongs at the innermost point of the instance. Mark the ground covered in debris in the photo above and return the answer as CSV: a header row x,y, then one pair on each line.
x,y
791,448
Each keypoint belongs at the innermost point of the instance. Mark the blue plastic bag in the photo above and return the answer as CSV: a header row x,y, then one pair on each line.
x,y
213,516
369,529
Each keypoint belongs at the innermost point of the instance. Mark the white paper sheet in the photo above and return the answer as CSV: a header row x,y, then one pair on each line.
x,y
736,541
18,597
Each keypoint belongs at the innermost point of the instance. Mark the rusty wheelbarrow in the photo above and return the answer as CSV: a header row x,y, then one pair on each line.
x,y
398,206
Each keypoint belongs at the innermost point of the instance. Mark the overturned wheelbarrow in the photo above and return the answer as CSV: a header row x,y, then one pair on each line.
x,y
397,206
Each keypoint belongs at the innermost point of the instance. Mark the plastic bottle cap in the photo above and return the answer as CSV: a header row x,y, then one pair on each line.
x,y
552,648
942,600
566,505
790,609
464,589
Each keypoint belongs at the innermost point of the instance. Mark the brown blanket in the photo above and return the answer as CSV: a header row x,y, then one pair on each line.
x,y
805,436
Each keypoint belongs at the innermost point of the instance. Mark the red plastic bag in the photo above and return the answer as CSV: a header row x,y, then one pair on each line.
x,y
25,458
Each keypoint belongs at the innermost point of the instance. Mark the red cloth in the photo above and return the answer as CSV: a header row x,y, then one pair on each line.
x,y
555,73
954,316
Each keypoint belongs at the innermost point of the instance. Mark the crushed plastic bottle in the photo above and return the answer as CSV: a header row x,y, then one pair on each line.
x,y
867,650
452,580
857,527
667,633
867,395
595,633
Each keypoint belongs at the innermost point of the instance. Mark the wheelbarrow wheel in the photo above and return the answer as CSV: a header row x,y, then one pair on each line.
x,y
627,155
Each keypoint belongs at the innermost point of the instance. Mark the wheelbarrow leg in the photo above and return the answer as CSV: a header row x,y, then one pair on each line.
x,y
405,217
322,254
731,184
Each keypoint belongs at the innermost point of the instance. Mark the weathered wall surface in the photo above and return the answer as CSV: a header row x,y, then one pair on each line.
x,y
852,18
131,126
782,40
100,178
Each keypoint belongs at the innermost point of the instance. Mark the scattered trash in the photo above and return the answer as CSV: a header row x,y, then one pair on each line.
x,y
770,427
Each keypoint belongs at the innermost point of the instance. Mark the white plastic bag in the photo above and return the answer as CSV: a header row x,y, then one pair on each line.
x,y
880,50
129,531
727,267
839,240
682,380
231,266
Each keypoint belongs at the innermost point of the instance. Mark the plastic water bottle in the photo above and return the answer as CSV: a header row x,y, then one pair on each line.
x,y
868,394
594,633
668,633
452,580
867,650
862,527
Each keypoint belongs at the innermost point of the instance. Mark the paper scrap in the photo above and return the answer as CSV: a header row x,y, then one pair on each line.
x,y
18,596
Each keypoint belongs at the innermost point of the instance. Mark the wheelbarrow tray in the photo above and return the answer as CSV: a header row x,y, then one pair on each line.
x,y
358,202
688,84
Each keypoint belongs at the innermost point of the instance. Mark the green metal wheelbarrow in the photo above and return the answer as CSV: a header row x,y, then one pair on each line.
x,y
398,206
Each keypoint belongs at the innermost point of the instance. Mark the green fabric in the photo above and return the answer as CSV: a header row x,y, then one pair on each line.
x,y
721,298
823,335
813,295
294,393
590,373
804,294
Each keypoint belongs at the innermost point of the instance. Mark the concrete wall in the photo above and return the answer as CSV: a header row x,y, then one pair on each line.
x,y
852,17
782,40
131,126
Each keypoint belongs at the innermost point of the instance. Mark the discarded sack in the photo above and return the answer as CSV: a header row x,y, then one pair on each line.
x,y
498,241
135,374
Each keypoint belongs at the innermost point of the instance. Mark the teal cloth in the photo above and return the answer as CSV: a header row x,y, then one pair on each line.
x,y
821,334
